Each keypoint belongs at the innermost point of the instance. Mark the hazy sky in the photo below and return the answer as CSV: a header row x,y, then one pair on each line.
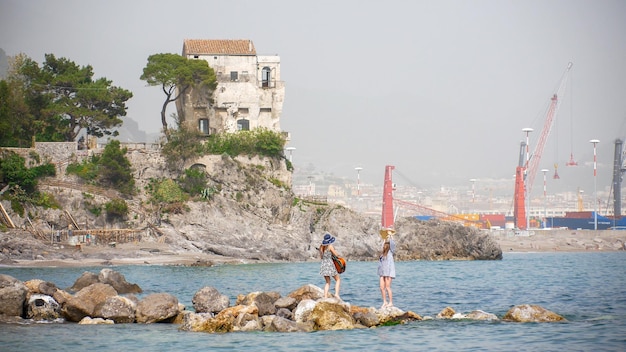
x,y
439,89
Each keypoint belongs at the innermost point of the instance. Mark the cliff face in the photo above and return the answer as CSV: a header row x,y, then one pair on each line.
x,y
254,215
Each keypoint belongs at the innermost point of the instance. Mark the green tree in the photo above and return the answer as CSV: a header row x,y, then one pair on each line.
x,y
176,74
64,98
115,169
111,169
17,124
182,145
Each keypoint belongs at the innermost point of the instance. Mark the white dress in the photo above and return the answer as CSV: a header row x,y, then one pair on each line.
x,y
327,268
386,265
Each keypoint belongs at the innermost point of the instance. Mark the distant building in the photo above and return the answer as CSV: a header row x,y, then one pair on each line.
x,y
249,93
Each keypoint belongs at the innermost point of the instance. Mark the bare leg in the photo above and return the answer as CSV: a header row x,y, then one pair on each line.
x,y
388,280
337,285
382,291
326,286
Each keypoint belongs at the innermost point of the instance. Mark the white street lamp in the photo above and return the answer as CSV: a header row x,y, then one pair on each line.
x,y
527,130
595,189
358,180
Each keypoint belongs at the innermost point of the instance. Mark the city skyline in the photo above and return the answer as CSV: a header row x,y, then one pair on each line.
x,y
439,89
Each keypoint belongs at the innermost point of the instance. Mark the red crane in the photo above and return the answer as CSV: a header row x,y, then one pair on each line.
x,y
388,187
526,172
388,214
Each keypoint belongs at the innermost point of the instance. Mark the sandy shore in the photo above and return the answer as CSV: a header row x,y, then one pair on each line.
x,y
562,241
141,253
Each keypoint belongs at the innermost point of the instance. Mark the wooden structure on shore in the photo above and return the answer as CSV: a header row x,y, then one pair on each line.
x,y
98,236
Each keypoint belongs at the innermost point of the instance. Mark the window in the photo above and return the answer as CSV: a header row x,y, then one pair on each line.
x,y
196,56
265,77
234,76
243,125
203,126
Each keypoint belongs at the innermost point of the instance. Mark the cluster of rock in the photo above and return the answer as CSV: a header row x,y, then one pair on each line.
x,y
106,298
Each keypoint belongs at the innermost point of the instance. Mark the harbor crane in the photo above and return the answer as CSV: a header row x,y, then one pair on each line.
x,y
526,171
388,215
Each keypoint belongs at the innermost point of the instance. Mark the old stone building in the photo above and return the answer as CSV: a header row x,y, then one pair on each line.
x,y
249,93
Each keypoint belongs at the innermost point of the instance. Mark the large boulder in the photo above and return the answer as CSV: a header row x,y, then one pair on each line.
x,y
209,300
530,313
85,302
331,314
156,308
195,321
119,309
42,308
307,292
303,310
481,315
286,302
40,286
279,324
12,296
61,296
446,313
246,318
443,240
365,316
95,321
265,301
86,279
118,281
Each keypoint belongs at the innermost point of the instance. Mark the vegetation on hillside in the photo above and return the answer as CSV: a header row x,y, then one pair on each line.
x,y
111,169
260,141
184,145
58,100
18,183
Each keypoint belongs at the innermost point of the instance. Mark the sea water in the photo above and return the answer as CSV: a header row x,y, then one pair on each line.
x,y
588,289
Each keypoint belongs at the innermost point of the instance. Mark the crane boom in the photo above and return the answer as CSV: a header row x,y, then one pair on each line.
x,y
525,174
555,102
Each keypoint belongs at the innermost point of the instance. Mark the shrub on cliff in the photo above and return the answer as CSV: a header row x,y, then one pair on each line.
x,y
19,183
111,169
259,141
116,209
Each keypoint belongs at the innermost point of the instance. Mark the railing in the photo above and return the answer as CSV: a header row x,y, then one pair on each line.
x,y
315,199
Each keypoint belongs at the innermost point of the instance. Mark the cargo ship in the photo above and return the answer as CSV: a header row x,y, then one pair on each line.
x,y
585,220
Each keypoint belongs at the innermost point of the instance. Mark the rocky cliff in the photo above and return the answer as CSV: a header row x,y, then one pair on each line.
x,y
253,215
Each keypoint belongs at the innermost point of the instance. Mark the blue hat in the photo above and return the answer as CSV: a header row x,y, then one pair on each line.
x,y
328,239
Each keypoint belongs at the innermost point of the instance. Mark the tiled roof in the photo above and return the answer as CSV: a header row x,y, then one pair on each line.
x,y
218,47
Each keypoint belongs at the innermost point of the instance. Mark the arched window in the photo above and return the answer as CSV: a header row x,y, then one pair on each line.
x,y
266,75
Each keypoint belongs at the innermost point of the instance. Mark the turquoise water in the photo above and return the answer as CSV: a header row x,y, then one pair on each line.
x,y
589,289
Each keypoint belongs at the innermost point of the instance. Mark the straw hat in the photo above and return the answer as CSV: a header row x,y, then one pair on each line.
x,y
385,233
